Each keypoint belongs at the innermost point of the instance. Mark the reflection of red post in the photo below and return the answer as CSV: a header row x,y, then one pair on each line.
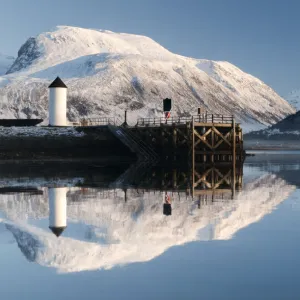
x,y
167,199
167,208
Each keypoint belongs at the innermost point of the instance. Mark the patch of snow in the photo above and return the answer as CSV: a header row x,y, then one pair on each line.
x,y
270,132
39,131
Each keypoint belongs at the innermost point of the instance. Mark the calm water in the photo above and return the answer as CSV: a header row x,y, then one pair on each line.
x,y
118,243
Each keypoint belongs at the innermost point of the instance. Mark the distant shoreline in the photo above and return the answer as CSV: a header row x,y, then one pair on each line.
x,y
272,149
251,144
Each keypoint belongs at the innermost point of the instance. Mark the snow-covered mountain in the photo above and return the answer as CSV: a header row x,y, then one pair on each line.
x,y
106,232
294,99
108,72
5,63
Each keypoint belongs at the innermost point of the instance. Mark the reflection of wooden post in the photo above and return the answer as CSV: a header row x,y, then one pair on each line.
x,y
233,157
240,177
163,178
174,136
174,142
174,178
125,195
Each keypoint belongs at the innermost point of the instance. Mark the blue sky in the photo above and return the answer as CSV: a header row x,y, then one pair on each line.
x,y
259,36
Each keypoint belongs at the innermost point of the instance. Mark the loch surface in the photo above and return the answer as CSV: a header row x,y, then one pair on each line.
x,y
119,244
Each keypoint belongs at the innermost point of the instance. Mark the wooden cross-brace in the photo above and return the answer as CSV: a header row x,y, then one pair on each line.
x,y
202,138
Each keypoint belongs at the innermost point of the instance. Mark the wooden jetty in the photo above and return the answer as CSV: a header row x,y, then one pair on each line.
x,y
204,138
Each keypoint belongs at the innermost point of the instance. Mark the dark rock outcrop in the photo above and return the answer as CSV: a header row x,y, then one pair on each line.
x,y
26,55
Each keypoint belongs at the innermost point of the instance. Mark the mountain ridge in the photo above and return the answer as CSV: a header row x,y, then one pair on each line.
x,y
109,72
5,62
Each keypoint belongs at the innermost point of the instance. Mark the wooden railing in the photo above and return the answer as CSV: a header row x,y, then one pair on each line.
x,y
97,121
204,118
213,118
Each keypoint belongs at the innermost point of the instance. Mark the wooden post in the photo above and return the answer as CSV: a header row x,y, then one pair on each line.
x,y
204,155
213,144
193,156
233,157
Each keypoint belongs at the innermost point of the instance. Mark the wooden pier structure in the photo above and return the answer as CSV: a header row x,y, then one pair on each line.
x,y
204,138
200,139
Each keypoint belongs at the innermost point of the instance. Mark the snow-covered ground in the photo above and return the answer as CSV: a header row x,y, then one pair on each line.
x,y
109,72
105,232
272,132
39,131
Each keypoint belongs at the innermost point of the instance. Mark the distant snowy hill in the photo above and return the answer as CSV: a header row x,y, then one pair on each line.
x,y
5,63
286,129
294,99
108,72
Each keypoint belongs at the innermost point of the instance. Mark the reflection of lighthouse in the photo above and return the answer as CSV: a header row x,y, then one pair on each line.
x,y
57,210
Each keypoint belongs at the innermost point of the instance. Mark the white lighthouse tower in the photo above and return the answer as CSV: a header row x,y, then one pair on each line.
x,y
57,103
57,210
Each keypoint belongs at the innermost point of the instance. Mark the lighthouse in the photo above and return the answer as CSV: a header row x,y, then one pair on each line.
x,y
57,103
57,210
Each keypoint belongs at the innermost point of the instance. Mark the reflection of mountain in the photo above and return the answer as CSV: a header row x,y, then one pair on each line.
x,y
291,176
285,166
110,232
26,242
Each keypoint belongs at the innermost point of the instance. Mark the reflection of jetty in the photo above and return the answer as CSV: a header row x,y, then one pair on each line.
x,y
210,181
204,180
170,184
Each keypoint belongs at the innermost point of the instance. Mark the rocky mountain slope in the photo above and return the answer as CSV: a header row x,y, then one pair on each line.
x,y
5,63
109,72
294,99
